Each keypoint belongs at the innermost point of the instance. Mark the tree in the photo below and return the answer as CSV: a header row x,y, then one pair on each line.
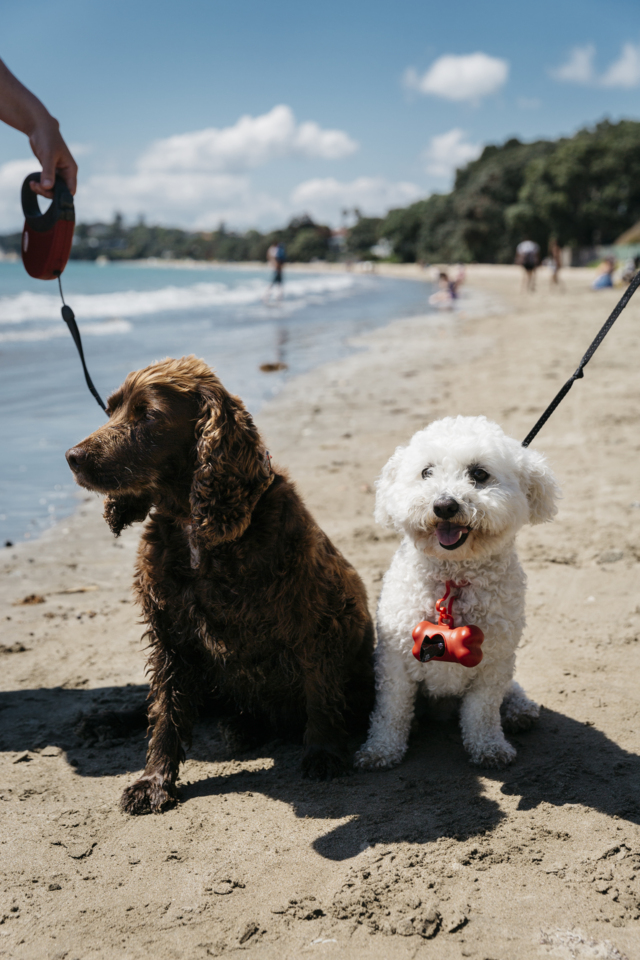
x,y
402,228
309,244
363,235
587,191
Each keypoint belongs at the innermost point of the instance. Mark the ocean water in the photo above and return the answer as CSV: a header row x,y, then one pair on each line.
x,y
132,314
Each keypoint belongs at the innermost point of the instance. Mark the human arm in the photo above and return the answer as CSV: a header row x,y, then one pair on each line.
x,y
20,109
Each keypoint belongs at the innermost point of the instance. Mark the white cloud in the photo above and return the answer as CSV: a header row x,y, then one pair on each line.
x,y
197,200
468,77
625,71
197,179
185,199
325,198
250,142
192,200
579,68
448,151
12,175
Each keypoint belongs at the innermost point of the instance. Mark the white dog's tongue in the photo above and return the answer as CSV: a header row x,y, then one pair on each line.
x,y
449,533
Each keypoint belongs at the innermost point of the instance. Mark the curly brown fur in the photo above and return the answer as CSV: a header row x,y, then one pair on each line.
x,y
246,601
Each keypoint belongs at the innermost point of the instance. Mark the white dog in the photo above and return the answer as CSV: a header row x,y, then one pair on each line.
x,y
459,492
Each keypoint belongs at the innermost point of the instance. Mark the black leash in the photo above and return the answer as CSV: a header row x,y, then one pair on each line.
x,y
559,397
70,320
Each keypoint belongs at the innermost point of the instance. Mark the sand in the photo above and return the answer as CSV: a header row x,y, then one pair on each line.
x,y
435,858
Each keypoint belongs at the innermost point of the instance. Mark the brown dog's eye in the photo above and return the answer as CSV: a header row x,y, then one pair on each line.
x,y
144,413
478,475
427,472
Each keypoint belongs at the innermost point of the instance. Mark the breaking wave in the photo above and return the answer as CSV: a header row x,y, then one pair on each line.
x,y
27,306
103,329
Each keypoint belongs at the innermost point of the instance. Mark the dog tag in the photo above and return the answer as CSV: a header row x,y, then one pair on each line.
x,y
441,641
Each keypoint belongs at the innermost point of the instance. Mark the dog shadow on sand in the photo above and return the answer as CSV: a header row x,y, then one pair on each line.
x,y
434,792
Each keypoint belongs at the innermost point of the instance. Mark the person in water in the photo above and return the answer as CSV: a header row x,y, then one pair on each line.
x,y
276,257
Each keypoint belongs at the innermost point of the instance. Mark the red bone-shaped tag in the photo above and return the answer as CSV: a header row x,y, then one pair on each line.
x,y
442,642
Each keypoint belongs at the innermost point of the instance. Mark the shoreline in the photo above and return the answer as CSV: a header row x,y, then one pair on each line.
x,y
513,862
309,336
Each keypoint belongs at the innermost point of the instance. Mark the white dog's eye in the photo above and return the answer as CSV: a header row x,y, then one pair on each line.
x,y
427,472
478,475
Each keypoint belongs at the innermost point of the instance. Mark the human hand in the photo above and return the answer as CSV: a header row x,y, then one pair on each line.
x,y
54,155
22,110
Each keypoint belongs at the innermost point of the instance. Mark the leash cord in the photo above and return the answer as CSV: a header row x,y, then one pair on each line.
x,y
559,397
70,320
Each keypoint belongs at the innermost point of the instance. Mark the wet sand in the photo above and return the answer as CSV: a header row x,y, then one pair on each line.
x,y
541,859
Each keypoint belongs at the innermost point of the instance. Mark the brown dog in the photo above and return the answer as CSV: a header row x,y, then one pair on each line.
x,y
250,609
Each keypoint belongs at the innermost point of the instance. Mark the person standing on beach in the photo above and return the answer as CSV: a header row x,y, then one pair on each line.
x,y
276,256
606,271
20,109
528,256
555,263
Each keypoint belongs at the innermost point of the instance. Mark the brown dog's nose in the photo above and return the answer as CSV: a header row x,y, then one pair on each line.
x,y
445,508
76,456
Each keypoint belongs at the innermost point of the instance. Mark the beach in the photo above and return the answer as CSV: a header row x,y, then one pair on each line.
x,y
540,859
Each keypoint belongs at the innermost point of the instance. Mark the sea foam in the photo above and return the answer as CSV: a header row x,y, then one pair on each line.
x,y
27,306
105,328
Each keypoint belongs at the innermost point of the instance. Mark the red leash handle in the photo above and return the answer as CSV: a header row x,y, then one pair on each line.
x,y
444,643
47,237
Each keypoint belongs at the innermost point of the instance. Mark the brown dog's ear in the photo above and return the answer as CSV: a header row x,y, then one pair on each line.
x,y
232,469
121,512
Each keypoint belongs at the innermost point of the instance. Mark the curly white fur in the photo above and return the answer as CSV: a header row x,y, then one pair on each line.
x,y
448,461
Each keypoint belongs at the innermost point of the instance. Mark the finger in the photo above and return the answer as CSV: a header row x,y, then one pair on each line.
x,y
48,175
67,168
70,176
37,188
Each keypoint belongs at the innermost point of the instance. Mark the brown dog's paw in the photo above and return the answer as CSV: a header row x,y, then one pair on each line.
x,y
321,763
148,795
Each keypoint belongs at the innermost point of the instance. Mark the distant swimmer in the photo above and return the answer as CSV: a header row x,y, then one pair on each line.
x,y
448,290
276,257
20,109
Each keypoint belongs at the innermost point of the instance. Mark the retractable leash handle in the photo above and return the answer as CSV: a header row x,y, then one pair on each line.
x,y
46,245
47,237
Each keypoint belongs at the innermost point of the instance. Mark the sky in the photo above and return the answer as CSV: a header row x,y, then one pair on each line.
x,y
249,113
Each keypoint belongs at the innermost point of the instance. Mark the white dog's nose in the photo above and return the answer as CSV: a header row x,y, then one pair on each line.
x,y
445,508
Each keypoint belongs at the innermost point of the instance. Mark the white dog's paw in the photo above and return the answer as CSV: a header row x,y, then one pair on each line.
x,y
518,712
491,753
372,758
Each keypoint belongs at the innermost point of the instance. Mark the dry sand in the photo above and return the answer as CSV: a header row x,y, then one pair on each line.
x,y
542,859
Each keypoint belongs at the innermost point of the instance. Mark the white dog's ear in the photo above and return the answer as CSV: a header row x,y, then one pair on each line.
x,y
384,512
541,488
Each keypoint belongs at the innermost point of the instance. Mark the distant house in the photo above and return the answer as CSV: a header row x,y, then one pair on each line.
x,y
338,239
